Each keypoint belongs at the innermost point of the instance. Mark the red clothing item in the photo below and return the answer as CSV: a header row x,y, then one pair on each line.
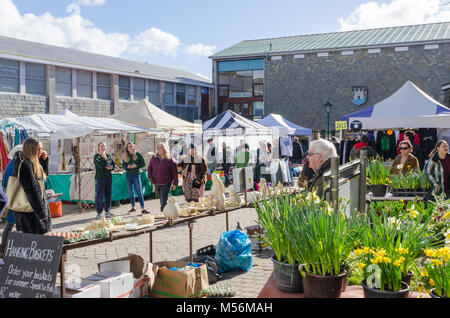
x,y
402,137
162,171
446,165
360,145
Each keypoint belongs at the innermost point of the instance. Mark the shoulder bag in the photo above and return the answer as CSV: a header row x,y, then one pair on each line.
x,y
17,198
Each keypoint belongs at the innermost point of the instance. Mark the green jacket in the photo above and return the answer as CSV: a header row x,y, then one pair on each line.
x,y
140,163
242,159
100,166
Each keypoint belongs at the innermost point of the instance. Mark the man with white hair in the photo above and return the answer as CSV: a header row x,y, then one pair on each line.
x,y
319,158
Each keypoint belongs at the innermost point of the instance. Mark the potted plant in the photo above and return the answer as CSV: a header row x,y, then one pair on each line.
x,y
274,214
377,177
436,272
390,247
320,236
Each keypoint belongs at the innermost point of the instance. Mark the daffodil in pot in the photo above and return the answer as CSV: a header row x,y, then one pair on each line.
x,y
321,239
274,214
436,272
377,177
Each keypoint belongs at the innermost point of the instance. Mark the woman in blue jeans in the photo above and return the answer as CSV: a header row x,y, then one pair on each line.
x,y
104,164
132,162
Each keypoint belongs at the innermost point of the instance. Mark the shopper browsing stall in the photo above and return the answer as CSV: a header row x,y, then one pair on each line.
x,y
194,174
364,144
162,172
132,162
438,169
320,153
31,177
104,164
406,161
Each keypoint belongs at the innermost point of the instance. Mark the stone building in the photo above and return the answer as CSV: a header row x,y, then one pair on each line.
x,y
296,76
40,78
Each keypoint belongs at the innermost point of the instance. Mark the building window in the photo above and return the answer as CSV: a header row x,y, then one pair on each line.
x,y
191,95
181,94
63,77
124,87
241,84
258,90
223,90
35,78
168,93
153,92
9,76
84,84
224,78
138,88
258,110
103,86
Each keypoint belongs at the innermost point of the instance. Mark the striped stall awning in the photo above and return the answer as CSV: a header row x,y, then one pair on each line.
x,y
230,121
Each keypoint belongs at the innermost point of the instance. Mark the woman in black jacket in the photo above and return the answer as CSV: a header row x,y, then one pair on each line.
x,y
31,172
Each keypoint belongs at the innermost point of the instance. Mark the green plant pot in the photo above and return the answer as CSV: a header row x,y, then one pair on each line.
x,y
377,293
317,286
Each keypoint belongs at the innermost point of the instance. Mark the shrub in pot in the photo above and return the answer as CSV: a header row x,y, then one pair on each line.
x,y
377,177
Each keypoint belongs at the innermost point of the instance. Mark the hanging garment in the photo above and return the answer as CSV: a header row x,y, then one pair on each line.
x,y
3,155
23,135
428,139
286,146
285,171
238,184
16,137
274,167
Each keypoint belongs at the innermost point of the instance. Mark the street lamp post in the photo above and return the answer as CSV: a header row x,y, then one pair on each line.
x,y
328,107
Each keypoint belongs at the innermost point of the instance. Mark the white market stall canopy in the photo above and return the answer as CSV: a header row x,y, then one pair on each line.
x,y
145,114
231,124
66,125
408,107
275,120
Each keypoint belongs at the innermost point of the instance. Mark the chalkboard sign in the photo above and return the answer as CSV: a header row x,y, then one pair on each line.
x,y
31,265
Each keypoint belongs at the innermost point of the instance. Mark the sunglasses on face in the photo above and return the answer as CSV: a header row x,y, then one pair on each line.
x,y
404,148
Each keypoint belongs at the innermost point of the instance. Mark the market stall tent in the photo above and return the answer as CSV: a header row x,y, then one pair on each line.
x,y
145,114
275,120
408,107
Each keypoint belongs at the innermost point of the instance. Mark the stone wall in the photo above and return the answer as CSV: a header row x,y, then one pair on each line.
x,y
297,88
84,106
14,105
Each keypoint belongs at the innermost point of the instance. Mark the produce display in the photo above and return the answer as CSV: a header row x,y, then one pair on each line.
x,y
143,220
103,223
73,237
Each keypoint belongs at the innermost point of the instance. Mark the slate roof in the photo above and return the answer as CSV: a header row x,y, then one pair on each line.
x,y
49,54
400,35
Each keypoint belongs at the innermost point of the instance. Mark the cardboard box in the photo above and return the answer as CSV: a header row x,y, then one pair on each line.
x,y
86,290
178,284
113,284
135,264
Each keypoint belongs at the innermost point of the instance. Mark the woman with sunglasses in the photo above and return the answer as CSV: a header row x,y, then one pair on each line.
x,y
405,161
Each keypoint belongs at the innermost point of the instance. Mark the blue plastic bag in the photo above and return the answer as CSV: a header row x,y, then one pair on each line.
x,y
234,252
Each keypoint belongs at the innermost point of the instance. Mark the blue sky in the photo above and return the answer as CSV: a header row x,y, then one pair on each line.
x,y
181,34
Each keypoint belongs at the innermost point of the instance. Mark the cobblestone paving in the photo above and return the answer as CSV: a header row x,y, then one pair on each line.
x,y
171,244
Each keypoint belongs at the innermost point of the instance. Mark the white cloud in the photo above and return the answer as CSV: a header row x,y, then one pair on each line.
x,y
395,13
200,49
90,2
154,40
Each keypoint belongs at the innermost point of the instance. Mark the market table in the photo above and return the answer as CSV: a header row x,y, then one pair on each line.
x,y
60,183
390,197
123,234
270,290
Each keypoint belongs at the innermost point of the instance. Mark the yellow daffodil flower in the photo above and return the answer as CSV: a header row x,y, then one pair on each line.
x,y
425,273
420,288
386,260
447,215
429,252
399,262
361,265
436,262
431,281
382,252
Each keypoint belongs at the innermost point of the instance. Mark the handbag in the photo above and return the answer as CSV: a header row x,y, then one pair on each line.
x,y
17,198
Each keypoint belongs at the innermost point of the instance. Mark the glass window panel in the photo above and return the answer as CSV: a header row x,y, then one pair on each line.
x,y
258,90
9,84
181,99
181,88
103,79
153,98
153,86
124,94
139,95
35,71
224,78
9,68
168,93
258,77
247,85
139,84
258,110
84,91
235,82
104,92
63,89
35,86
124,82
223,91
84,77
63,75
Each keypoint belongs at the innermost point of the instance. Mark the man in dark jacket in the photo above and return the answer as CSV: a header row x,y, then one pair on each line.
x,y
297,152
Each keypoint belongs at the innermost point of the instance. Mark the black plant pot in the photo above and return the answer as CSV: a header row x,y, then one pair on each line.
x,y
434,295
287,277
377,293
316,286
379,190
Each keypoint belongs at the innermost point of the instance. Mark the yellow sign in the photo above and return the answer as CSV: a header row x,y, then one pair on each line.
x,y
341,125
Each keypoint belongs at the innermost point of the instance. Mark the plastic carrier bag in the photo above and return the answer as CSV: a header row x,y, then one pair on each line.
x,y
234,251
